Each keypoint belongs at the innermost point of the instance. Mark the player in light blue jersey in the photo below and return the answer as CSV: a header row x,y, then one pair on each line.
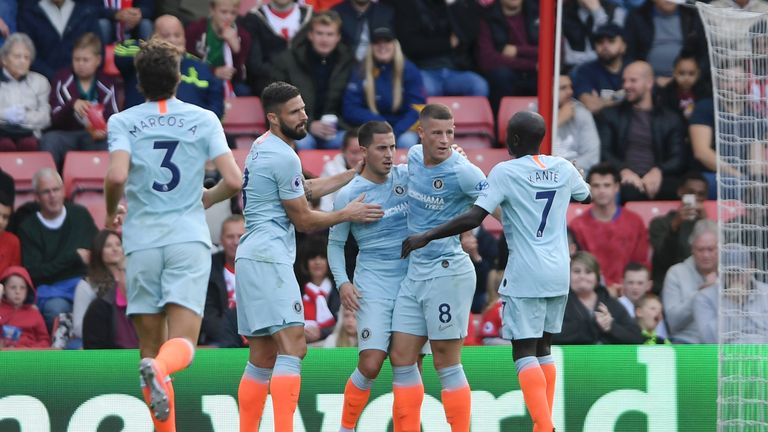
x,y
379,269
157,154
435,297
269,305
533,191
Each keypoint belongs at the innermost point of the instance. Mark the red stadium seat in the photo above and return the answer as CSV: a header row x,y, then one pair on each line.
x,y
240,154
493,226
22,166
84,171
508,107
94,202
731,209
110,68
312,161
647,210
244,116
472,116
485,159
575,210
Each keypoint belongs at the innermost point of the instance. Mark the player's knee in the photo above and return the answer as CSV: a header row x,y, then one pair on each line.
x,y
370,367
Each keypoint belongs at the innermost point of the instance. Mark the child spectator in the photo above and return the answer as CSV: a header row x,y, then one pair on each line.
x,y
24,109
80,92
637,283
648,314
686,86
319,320
222,44
22,324
345,332
10,247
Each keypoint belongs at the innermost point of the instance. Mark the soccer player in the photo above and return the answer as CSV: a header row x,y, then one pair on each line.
x,y
157,154
379,269
435,297
269,306
533,191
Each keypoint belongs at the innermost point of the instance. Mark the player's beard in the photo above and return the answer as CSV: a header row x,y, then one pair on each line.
x,y
293,134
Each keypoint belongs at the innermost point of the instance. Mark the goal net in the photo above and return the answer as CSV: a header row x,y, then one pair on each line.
x,y
738,51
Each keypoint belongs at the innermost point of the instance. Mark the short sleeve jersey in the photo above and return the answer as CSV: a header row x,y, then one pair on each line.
x,y
534,192
380,242
436,194
169,142
272,174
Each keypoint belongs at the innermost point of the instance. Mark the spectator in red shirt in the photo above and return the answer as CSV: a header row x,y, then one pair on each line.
x,y
10,247
316,288
613,234
21,323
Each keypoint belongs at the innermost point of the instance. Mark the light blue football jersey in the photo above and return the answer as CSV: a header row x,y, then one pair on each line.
x,y
272,174
169,142
379,269
437,194
534,192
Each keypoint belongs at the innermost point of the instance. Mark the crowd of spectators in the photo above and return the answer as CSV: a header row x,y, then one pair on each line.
x,y
635,112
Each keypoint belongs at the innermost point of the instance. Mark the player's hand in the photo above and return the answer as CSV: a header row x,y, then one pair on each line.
x,y
115,222
459,149
652,182
349,296
360,212
603,317
631,178
416,241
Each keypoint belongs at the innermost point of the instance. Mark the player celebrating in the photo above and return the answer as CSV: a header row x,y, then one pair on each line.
x,y
435,297
533,191
269,312
157,154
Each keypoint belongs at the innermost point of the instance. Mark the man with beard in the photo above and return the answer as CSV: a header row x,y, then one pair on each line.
x,y
597,84
270,313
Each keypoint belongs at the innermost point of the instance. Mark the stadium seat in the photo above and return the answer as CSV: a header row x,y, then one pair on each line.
x,y
84,171
240,154
244,116
94,202
22,166
472,116
493,226
575,210
110,68
487,158
246,5
312,161
731,209
508,107
647,210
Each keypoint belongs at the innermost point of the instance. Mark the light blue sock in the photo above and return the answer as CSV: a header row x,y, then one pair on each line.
x,y
360,381
452,377
547,359
406,376
287,365
258,374
525,363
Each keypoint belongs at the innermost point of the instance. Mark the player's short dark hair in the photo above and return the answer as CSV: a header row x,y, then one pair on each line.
x,y
435,111
348,137
525,131
368,130
157,68
604,168
276,94
636,266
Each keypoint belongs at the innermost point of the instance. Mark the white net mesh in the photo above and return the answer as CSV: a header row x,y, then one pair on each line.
x,y
738,44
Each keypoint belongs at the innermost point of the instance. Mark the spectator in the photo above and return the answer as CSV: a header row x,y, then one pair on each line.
x,y
198,86
8,11
7,188
490,321
507,54
219,326
614,235
577,138
686,88
670,233
105,324
684,280
358,19
24,109
649,315
597,83
481,247
643,140
316,288
345,332
223,45
434,40
319,66
187,11
21,323
105,271
54,26
119,22
580,19
659,31
79,92
351,155
10,248
385,88
742,293
637,284
273,27
591,315
55,244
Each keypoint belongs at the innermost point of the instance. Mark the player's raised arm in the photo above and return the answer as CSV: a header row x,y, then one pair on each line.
x,y
322,186
466,221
